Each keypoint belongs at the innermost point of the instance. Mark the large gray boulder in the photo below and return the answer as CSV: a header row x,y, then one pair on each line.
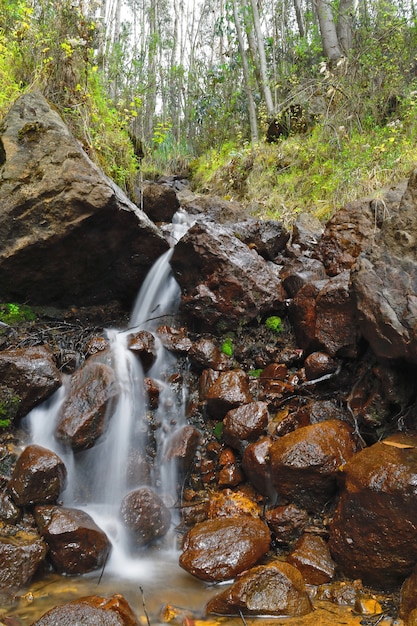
x,y
68,234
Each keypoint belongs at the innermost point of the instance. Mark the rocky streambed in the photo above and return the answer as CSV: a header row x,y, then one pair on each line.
x,y
297,460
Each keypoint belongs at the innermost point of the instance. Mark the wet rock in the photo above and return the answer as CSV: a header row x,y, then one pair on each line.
x,y
319,364
76,544
229,390
39,477
181,448
307,231
92,389
21,554
230,475
153,391
373,531
219,549
143,345
228,503
245,423
324,316
341,592
160,201
10,513
304,463
408,598
287,523
145,516
214,209
205,354
174,339
224,284
63,214
91,611
298,272
138,470
349,232
274,589
267,237
29,375
311,556
255,464
317,410
95,345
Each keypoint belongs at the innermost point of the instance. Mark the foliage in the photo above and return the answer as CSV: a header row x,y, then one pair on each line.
x,y
9,405
11,313
255,373
218,430
227,347
274,323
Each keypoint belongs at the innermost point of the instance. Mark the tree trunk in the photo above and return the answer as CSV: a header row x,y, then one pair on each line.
x,y
344,24
329,39
262,60
299,17
246,76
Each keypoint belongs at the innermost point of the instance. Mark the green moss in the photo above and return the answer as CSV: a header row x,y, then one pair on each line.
x,y
9,406
255,373
274,323
227,347
11,313
218,430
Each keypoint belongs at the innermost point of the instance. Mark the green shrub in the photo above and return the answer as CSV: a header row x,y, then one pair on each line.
x,y
11,313
274,323
227,347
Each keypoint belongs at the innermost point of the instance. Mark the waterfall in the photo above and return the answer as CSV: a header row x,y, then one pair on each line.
x,y
99,478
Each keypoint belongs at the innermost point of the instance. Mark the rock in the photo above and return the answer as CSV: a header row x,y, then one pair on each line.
x,y
228,503
319,364
219,549
181,448
273,589
39,477
145,516
287,523
408,598
311,556
21,553
174,339
267,237
304,463
143,345
245,423
30,376
228,391
91,611
69,235
204,354
255,463
214,209
76,544
10,513
300,271
224,284
92,390
324,316
160,201
372,535
341,592
307,231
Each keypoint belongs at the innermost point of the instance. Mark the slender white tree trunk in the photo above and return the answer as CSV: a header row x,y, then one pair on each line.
x,y
329,39
262,60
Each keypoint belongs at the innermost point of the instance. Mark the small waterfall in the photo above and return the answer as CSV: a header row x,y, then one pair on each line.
x,y
100,477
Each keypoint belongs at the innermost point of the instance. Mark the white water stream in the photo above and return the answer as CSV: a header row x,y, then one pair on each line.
x,y
99,478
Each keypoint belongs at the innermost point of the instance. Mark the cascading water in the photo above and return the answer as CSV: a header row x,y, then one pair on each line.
x,y
99,478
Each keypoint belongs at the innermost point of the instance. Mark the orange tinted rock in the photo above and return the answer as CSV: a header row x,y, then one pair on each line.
x,y
311,556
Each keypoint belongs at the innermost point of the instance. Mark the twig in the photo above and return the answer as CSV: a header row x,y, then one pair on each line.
x,y
242,618
144,607
104,566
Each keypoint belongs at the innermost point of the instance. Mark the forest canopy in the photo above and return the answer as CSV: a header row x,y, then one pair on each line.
x,y
288,105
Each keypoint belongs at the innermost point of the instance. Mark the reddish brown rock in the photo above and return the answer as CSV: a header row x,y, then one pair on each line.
x,y
159,201
219,549
228,503
303,316
174,339
152,391
229,390
182,446
373,533
245,423
408,599
94,345
274,589
230,476
145,516
21,553
39,477
223,281
92,390
305,463
299,272
255,463
306,232
319,364
30,375
9,512
316,410
91,611
287,522
143,345
205,354
76,544
267,237
311,556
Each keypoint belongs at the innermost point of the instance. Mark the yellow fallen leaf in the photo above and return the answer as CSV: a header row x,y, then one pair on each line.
x,y
396,444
